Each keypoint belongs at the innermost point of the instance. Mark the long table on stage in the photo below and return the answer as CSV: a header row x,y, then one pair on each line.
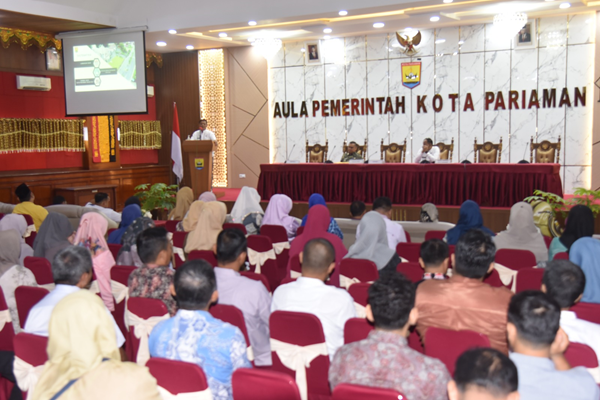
x,y
492,185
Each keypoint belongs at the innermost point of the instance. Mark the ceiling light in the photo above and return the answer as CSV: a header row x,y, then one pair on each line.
x,y
448,1
251,23
267,47
343,13
189,47
222,34
510,23
327,30
439,41
378,25
435,18
172,31
326,37
564,5
161,44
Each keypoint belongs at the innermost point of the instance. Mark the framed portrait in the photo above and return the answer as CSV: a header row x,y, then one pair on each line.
x,y
527,36
312,52
52,60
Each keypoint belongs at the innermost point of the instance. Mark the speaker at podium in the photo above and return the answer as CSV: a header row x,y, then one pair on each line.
x,y
197,165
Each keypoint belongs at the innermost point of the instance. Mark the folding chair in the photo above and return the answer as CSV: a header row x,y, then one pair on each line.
x,y
41,269
409,251
356,329
447,345
27,297
412,270
203,255
529,279
262,259
30,352
177,377
114,249
141,312
353,270
231,225
346,391
120,274
435,235
260,384
515,259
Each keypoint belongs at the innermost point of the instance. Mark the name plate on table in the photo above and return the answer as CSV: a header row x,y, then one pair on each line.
x,y
292,162
442,162
356,161
376,161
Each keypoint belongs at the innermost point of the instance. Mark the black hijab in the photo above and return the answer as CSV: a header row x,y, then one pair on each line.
x,y
580,223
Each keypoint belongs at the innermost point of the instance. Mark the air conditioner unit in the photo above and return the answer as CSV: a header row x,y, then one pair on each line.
x,y
33,83
150,90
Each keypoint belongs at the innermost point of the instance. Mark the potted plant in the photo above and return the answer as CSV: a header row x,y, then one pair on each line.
x,y
157,199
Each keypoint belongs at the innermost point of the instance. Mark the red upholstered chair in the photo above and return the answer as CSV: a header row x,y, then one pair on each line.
x,y
270,269
171,225
232,315
207,255
41,268
561,256
179,243
581,355
120,273
435,235
362,270
114,249
448,345
7,332
409,251
529,279
346,391
356,329
241,227
299,231
30,239
1,215
412,270
588,311
414,341
257,277
143,308
515,259
493,279
408,239
287,280
278,234
360,293
260,384
302,330
548,241
177,376
295,267
27,297
31,349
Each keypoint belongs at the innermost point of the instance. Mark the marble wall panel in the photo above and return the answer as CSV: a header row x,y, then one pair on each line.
x,y
400,124
294,56
377,125
446,83
356,88
377,47
495,39
553,31
576,177
471,121
497,79
333,51
472,38
582,28
446,40
355,49
423,119
314,83
277,125
523,121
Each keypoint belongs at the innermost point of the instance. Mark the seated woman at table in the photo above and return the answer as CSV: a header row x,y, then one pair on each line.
x,y
522,234
429,213
469,217
580,223
278,213
315,199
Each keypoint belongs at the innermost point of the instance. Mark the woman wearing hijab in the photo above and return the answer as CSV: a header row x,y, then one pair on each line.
x,y
469,217
55,234
185,197
316,227
522,234
128,254
189,222
209,225
17,223
429,213
317,199
129,214
133,200
278,213
83,358
585,252
372,244
247,210
90,235
580,223
207,197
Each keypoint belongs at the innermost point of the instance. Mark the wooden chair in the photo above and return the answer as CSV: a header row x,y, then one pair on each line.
x,y
488,152
545,152
317,153
446,150
362,150
393,153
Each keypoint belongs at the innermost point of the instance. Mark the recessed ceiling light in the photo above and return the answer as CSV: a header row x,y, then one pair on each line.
x,y
172,31
161,44
251,23
378,25
326,37
189,47
448,1
327,30
439,41
435,18
343,13
564,5
222,34
303,49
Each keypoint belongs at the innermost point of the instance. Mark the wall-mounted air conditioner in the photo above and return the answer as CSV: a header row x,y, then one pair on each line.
x,y
33,83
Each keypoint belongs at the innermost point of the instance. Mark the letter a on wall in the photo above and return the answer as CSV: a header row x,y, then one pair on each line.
x,y
411,74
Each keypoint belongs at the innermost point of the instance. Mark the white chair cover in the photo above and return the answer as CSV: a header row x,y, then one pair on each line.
x,y
120,292
360,310
259,259
30,229
295,274
507,275
26,374
346,282
201,395
4,318
142,327
250,353
595,372
179,251
298,358
279,247
49,286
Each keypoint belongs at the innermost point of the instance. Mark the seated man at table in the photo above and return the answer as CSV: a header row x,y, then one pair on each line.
x,y
26,206
429,153
351,153
102,201
395,232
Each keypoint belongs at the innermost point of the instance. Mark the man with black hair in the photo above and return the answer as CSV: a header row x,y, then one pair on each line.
x,y
464,301
27,206
484,374
58,200
538,346
384,358
310,294
154,278
564,282
204,134
351,153
357,209
102,203
195,336
395,232
250,296
434,259
429,153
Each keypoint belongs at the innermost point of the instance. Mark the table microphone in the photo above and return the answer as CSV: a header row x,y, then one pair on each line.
x,y
525,152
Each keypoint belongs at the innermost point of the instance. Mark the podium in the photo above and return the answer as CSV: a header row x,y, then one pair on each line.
x,y
197,165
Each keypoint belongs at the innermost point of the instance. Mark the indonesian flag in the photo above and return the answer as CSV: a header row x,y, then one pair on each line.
x,y
176,157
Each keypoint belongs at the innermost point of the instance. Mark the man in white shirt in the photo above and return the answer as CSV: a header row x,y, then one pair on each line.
x,y
102,201
564,282
204,134
429,152
395,232
72,271
310,294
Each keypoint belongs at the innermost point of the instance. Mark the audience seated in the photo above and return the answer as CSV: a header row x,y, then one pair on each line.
x,y
128,254
194,336
129,215
133,200
395,232
564,282
189,222
278,213
26,206
83,358
384,359
55,234
12,273
247,210
250,296
57,200
72,271
373,244
17,223
429,213
585,252
101,203
434,260
538,346
310,294
154,278
357,209
484,374
318,199
521,233
469,217
185,197
210,223
464,301
579,223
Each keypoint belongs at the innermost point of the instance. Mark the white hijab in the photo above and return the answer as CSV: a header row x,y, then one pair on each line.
x,y
372,243
247,202
521,233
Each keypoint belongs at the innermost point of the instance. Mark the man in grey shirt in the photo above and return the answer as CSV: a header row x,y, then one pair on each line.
x,y
538,346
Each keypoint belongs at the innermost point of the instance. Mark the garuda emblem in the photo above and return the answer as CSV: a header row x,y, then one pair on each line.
x,y
409,43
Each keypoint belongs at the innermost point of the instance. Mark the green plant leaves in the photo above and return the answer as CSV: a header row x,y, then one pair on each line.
x,y
157,196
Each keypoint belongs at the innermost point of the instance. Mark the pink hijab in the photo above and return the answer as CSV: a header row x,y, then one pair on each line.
x,y
316,226
278,213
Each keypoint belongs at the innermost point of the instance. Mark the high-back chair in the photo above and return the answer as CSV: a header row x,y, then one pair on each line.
x,y
178,248
409,251
234,316
7,332
435,235
447,345
295,267
281,244
529,279
141,315
354,270
114,249
446,150
515,259
41,269
362,149
30,352
119,276
31,228
588,311
488,152
393,153
356,329
346,391
207,255
316,153
545,152
581,355
412,270
360,294
231,225
263,260
171,225
27,297
178,377
493,279
261,384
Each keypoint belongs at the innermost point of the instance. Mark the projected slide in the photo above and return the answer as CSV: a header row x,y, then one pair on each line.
x,y
104,67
